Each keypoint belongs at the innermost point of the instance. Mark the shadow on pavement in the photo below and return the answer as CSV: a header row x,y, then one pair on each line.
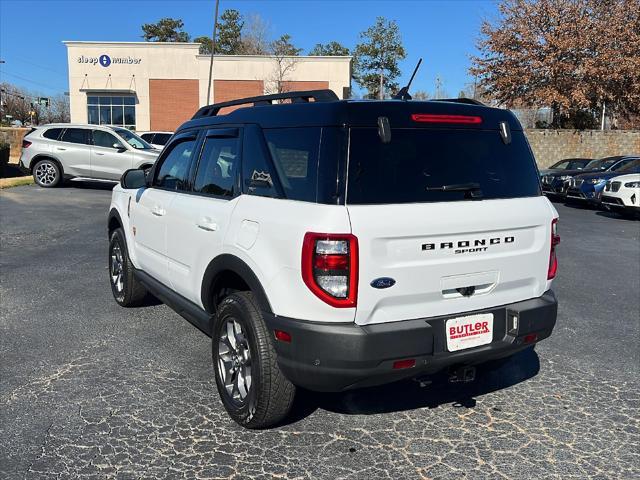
x,y
408,395
618,215
88,185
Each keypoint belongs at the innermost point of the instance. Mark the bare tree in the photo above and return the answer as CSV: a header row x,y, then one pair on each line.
x,y
255,36
284,54
420,95
17,105
58,110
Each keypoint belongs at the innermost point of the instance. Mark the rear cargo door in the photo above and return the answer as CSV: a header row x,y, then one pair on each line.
x,y
483,242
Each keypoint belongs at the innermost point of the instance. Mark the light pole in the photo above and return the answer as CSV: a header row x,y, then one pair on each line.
x,y
213,49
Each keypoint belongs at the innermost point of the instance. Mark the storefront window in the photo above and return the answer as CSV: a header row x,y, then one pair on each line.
x,y
112,110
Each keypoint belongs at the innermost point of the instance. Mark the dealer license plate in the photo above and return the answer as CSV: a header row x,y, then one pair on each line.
x,y
470,331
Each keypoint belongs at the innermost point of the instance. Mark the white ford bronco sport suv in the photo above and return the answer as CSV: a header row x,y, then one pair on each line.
x,y
333,245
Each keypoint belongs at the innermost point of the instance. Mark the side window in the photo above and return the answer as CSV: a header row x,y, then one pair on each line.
x,y
147,137
295,155
104,139
620,165
52,133
257,176
217,170
75,135
174,169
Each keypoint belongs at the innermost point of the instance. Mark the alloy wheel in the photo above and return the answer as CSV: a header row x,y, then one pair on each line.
x,y
234,361
46,173
117,268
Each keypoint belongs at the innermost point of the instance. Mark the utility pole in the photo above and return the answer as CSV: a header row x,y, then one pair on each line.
x,y
213,49
381,88
604,109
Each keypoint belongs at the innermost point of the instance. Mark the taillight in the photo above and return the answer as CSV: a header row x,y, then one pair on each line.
x,y
459,119
330,267
25,143
553,259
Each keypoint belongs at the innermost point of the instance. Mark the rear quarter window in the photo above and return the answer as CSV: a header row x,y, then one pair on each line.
x,y
52,133
295,155
418,160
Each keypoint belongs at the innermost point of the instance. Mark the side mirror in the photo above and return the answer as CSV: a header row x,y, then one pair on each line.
x,y
119,147
134,178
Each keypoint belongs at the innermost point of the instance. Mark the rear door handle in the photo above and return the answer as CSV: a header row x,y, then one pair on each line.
x,y
207,224
158,211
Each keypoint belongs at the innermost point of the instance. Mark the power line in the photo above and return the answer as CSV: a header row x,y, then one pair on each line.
x,y
29,80
30,62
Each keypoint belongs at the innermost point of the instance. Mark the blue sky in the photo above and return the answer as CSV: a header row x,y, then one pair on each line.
x,y
443,32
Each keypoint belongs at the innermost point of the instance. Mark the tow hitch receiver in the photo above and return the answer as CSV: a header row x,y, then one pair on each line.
x,y
462,374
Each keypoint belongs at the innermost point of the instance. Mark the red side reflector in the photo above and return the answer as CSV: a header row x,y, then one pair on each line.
x,y
400,364
459,119
282,336
532,337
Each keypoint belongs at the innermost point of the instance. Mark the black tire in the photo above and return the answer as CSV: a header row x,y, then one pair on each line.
x,y
270,394
47,173
126,289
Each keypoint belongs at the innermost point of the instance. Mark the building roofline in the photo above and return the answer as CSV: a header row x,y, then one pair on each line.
x,y
145,44
270,57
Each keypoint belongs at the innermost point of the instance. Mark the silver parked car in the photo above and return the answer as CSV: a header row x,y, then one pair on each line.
x,y
97,152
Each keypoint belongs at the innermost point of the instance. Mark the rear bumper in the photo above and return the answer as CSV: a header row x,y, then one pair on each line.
x,y
329,357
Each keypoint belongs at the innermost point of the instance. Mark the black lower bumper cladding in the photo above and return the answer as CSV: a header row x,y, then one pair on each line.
x,y
337,357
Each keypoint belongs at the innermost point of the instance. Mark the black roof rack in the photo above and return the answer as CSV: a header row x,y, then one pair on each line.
x,y
468,101
295,97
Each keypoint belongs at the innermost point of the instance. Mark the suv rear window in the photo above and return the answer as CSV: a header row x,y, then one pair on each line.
x,y
418,160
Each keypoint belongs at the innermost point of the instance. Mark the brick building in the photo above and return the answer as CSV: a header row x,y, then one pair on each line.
x,y
157,86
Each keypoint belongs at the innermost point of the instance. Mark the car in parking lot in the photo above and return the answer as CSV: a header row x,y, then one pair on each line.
x,y
55,152
587,187
554,177
622,194
156,139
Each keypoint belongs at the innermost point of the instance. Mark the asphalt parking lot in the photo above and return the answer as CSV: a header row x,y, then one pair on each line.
x,y
92,390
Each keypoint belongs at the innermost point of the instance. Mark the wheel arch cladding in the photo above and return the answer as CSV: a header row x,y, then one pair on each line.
x,y
229,268
114,221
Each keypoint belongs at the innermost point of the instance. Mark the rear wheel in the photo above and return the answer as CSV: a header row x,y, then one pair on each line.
x,y
126,289
252,388
46,173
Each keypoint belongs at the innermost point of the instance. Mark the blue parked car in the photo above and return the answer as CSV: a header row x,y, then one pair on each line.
x,y
589,186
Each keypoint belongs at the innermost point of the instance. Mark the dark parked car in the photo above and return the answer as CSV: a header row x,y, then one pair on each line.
x,y
588,186
554,177
557,183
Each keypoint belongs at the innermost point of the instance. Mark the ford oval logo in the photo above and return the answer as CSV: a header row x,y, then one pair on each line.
x,y
384,282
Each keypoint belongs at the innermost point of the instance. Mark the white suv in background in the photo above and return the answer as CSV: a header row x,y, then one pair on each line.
x,y
97,152
333,245
622,194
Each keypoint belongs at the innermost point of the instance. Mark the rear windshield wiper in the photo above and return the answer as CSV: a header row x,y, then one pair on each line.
x,y
472,188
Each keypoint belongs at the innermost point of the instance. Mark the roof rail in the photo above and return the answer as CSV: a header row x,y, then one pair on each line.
x,y
468,101
295,97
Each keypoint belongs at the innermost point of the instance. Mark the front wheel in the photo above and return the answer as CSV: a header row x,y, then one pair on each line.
x,y
126,288
252,388
46,173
